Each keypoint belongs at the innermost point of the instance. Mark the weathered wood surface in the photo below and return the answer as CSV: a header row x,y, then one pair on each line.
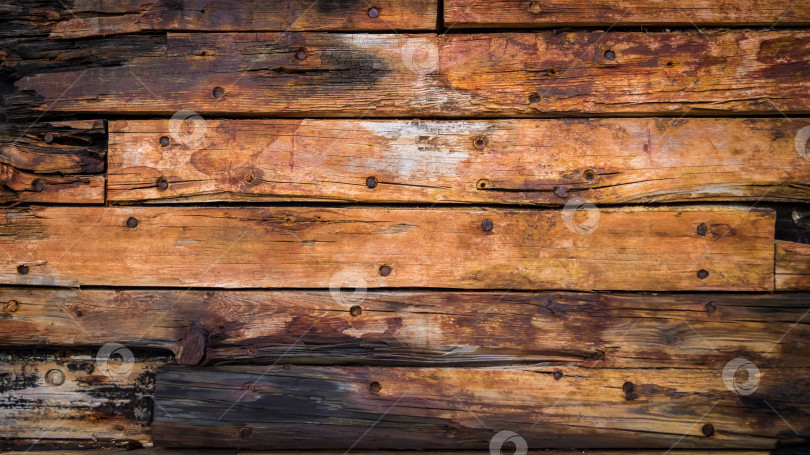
x,y
452,75
418,328
683,248
502,161
792,266
73,396
413,408
160,451
53,162
610,13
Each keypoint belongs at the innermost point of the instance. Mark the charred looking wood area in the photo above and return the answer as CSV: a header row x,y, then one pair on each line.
x,y
405,226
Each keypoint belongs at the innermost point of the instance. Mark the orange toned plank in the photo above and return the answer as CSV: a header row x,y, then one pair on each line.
x,y
56,162
308,407
702,248
792,266
443,328
111,17
609,13
458,75
501,161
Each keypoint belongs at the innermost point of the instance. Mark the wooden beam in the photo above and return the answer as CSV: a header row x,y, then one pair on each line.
x,y
77,396
451,75
418,328
611,13
665,249
302,408
792,266
504,161
56,162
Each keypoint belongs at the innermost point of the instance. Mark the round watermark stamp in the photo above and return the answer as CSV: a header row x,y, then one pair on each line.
x,y
187,128
497,442
420,55
115,360
801,142
580,216
348,287
741,376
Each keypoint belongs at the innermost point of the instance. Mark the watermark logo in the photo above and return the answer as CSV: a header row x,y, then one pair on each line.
x,y
420,55
801,142
348,287
580,216
741,376
187,128
115,360
497,442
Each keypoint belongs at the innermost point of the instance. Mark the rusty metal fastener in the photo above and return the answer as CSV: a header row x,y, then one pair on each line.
x,y
301,54
610,55
12,306
22,269
702,229
561,191
218,92
385,270
164,141
132,222
598,355
163,183
710,308
79,313
535,8
55,377
355,310
702,274
486,225
558,375
48,138
373,12
375,387
371,182
37,186
707,429
480,142
534,98
245,432
589,174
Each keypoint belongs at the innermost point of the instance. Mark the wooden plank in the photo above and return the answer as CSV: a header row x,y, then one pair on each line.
x,y
610,13
792,266
502,161
373,408
57,162
418,328
109,17
76,396
682,248
159,451
451,75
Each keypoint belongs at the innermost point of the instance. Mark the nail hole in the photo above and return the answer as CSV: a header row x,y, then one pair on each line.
x,y
22,269
702,229
371,182
301,54
589,174
162,183
702,274
552,71
132,222
708,430
486,225
385,270
48,138
164,141
483,184
610,55
218,92
670,63
373,12
375,387
37,186
480,142
355,311
534,98
79,313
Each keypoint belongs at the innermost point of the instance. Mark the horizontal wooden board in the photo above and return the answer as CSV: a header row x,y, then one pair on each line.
x,y
159,451
76,396
418,328
792,266
681,248
500,161
451,75
411,408
57,162
609,13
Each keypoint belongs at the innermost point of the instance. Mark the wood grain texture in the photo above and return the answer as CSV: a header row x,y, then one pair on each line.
x,y
304,408
503,161
159,451
57,162
418,328
89,404
610,13
628,249
452,75
792,266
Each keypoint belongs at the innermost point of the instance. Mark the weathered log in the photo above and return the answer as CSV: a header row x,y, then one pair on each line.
x,y
682,248
418,328
610,13
304,408
451,75
53,162
792,266
78,396
503,161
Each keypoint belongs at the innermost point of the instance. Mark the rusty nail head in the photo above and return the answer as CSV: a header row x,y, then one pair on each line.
x,y
301,54
55,377
371,182
589,174
710,308
480,142
373,12
250,388
132,222
287,366
534,98
385,270
48,138
702,274
12,306
707,429
38,186
486,225
535,8
702,229
251,350
163,183
22,269
558,375
610,55
245,432
164,141
78,313
628,387
375,387
218,92
598,355
561,191
355,310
